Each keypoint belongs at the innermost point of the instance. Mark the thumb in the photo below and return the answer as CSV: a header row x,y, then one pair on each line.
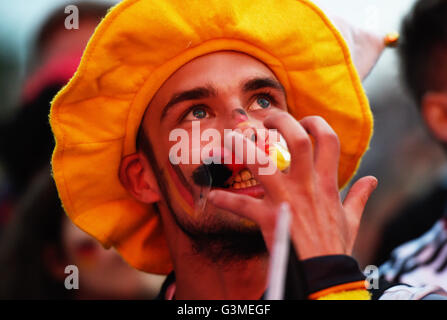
x,y
241,205
359,194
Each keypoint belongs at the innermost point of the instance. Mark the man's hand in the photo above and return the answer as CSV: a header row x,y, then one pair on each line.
x,y
321,223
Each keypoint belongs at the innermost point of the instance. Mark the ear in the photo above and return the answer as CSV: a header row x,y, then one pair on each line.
x,y
137,177
434,112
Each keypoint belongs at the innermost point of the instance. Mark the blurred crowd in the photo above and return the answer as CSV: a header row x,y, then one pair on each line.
x,y
37,240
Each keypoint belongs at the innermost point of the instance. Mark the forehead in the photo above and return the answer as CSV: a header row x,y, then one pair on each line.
x,y
222,70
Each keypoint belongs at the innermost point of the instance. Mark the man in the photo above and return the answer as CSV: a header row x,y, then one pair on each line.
x,y
419,231
153,69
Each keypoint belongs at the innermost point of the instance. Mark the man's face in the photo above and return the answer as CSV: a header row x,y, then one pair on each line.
x,y
223,90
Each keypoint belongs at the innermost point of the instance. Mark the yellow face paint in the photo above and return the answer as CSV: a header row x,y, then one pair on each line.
x,y
179,194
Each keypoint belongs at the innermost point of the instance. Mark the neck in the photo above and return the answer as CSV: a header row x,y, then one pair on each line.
x,y
199,278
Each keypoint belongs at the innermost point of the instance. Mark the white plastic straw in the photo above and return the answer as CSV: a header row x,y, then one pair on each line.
x,y
279,255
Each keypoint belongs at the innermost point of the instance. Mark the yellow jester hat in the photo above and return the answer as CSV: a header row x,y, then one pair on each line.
x,y
136,47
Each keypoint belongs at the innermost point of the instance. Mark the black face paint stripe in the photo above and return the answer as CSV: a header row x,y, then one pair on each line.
x,y
182,178
148,150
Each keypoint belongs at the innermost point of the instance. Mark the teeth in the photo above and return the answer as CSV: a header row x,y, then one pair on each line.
x,y
245,175
253,182
245,184
244,179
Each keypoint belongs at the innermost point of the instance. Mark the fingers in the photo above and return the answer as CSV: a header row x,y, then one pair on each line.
x,y
298,141
327,147
270,176
359,194
326,154
241,205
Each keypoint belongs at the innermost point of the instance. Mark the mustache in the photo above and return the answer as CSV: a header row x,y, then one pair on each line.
x,y
212,175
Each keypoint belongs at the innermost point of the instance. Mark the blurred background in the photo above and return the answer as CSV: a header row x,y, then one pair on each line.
x,y
407,161
38,55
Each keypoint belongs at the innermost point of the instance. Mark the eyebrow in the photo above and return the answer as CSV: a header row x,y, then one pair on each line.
x,y
209,91
260,83
192,94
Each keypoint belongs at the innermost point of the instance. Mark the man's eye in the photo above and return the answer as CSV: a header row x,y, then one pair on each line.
x,y
196,114
261,102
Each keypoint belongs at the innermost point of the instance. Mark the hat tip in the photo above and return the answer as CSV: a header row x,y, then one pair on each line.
x,y
391,39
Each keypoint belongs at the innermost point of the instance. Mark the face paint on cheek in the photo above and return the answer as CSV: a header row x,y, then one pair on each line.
x,y
181,192
168,179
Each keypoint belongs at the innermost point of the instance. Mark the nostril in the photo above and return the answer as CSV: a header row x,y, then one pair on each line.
x,y
254,137
241,111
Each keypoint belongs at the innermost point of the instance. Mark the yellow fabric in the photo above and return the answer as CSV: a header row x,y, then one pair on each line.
x,y
137,46
360,294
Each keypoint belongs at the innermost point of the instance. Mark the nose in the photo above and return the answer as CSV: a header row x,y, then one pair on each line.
x,y
242,122
240,113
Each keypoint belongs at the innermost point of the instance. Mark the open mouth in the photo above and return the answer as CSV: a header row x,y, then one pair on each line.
x,y
224,177
243,179
237,177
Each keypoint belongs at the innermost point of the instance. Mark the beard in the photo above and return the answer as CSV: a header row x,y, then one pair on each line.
x,y
220,241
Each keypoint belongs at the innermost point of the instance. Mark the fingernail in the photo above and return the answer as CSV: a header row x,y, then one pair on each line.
x,y
376,182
